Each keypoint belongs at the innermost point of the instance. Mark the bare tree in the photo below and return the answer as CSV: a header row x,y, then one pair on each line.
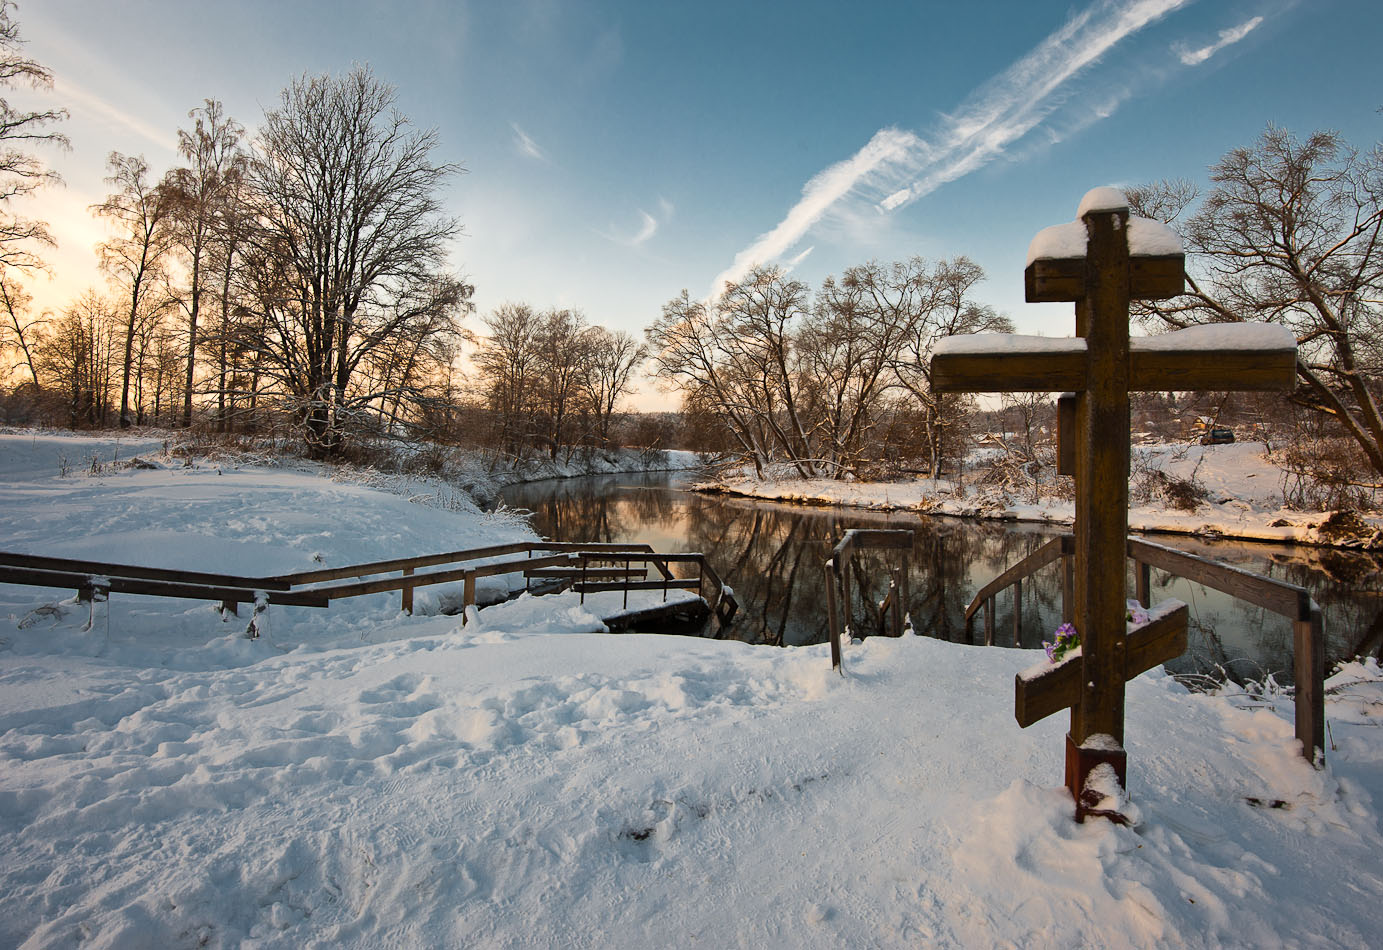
x,y
18,328
562,352
199,194
506,361
1028,443
134,256
687,343
20,172
946,308
850,344
1290,234
762,313
611,361
346,196
76,356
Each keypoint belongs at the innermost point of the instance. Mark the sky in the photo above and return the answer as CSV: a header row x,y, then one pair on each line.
x,y
616,153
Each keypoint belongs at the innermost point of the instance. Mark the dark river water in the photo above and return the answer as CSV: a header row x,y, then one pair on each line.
x,y
772,555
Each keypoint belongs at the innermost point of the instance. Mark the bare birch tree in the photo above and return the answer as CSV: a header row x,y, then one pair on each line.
x,y
21,173
1292,233
346,197
134,255
199,195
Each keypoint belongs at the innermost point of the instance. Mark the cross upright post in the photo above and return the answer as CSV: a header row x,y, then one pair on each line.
x,y
1102,261
1101,526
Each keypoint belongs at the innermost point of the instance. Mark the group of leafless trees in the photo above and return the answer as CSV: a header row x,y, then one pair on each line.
x,y
1290,232
300,276
303,275
835,384
550,380
302,279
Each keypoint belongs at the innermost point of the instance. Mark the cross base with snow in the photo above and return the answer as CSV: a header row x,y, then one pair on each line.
x,y
1101,261
1047,688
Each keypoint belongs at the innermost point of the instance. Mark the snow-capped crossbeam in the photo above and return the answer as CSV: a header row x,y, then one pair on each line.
x,y
1055,268
1254,356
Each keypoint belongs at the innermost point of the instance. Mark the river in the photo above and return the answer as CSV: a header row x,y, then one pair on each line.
x,y
772,555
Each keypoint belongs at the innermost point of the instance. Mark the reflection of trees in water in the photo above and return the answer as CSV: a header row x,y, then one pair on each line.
x,y
773,556
1250,641
575,509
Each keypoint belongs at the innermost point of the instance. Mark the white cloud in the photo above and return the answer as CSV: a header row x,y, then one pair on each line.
x,y
649,228
791,265
525,144
998,114
1194,57
82,100
888,146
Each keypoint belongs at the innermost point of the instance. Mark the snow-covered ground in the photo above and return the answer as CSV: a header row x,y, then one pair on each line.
x,y
358,777
1244,497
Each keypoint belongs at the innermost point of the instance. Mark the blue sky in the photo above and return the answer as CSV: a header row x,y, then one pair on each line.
x,y
619,152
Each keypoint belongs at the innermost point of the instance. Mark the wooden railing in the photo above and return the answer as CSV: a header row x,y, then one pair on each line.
x,y
95,580
838,573
1288,600
589,575
1055,549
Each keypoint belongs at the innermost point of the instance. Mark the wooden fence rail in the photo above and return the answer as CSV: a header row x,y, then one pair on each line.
x,y
93,580
838,572
1287,600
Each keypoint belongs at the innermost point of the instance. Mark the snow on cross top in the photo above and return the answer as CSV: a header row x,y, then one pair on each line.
x,y
1103,198
1146,238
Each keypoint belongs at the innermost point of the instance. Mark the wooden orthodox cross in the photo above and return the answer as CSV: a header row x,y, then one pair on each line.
x,y
1101,261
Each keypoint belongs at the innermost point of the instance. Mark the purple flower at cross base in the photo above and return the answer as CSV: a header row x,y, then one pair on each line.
x,y
1066,640
1136,614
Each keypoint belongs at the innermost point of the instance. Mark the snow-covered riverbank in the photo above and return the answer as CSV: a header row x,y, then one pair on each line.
x,y
359,777
1243,499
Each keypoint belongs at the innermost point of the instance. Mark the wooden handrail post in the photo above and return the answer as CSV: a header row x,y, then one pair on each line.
x,y
468,591
832,617
1142,582
1308,636
407,591
903,586
846,579
1018,612
896,593
1068,588
989,621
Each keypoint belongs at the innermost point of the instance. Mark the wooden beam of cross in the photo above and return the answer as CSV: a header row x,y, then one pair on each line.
x,y
1101,261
